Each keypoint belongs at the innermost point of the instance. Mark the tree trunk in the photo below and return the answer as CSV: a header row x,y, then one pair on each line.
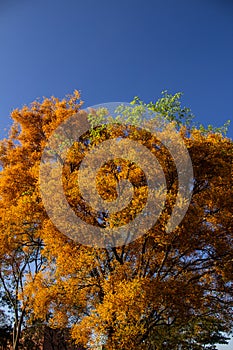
x,y
17,331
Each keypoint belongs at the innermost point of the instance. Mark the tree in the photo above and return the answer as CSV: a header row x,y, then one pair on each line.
x,y
161,290
21,210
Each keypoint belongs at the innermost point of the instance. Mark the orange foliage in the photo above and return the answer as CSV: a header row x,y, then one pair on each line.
x,y
120,296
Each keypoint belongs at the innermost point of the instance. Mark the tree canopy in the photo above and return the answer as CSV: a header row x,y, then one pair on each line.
x,y
162,290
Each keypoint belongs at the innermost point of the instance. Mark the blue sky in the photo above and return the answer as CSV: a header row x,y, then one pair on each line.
x,y
114,50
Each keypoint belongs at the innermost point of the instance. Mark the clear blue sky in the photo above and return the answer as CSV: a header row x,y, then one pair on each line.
x,y
114,50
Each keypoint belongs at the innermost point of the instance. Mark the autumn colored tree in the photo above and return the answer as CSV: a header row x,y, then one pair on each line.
x,y
164,289
21,210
